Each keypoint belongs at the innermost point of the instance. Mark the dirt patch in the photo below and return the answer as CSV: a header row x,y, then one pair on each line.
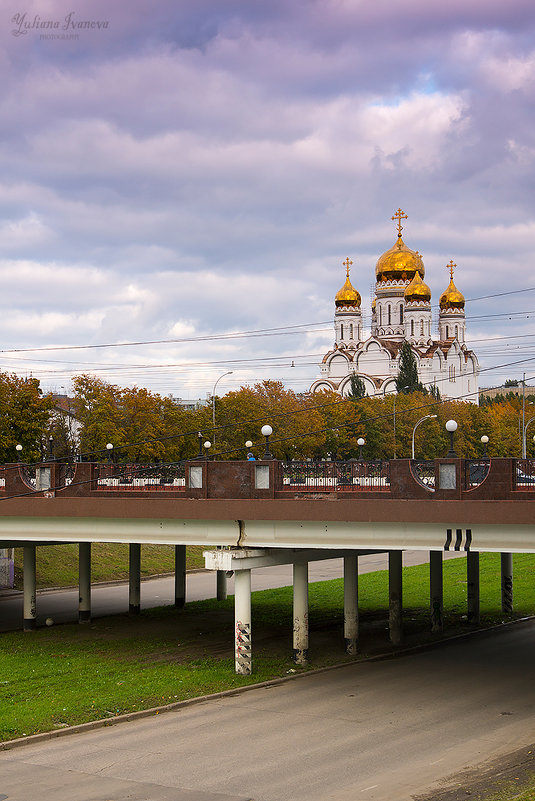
x,y
505,777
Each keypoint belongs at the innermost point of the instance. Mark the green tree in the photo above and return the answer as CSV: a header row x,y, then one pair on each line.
x,y
407,380
357,387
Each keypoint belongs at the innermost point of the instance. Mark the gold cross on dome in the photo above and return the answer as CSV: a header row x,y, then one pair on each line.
x,y
450,267
399,216
347,264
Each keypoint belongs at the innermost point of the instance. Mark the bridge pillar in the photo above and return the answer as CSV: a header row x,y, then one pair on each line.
x,y
436,586
30,595
242,622
180,576
221,585
472,575
134,578
84,582
507,582
300,612
395,596
351,604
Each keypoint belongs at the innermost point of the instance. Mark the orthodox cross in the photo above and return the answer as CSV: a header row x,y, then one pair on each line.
x,y
399,216
347,264
450,267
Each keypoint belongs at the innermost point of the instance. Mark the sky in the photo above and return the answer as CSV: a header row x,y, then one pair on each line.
x,y
191,174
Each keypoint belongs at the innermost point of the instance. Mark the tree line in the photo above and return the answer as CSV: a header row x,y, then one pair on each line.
x,y
146,427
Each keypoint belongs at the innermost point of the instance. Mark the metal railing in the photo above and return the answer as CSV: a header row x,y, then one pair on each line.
x,y
476,471
351,476
154,477
524,474
423,472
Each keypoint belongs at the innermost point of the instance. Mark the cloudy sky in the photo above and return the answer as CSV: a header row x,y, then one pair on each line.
x,y
184,171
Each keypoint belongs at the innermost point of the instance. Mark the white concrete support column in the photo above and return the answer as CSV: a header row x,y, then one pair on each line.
x,y
180,576
84,582
300,637
221,585
507,582
472,576
30,595
436,591
134,578
351,604
242,622
395,596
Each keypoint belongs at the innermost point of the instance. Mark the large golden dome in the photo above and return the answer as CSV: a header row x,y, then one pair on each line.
x,y
348,295
451,298
399,263
417,290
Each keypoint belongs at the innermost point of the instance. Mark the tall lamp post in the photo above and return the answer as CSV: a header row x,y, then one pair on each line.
x,y
361,442
484,442
524,442
427,417
213,402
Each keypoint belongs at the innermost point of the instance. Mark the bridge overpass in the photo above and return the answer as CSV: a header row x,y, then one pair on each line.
x,y
266,512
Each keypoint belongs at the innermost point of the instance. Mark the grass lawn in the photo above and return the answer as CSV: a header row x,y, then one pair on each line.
x,y
59,676
57,565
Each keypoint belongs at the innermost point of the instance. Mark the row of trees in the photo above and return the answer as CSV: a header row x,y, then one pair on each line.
x,y
146,427
143,426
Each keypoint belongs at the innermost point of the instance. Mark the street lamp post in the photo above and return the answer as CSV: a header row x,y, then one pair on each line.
x,y
361,442
451,427
484,442
266,432
213,400
109,448
524,442
18,448
427,417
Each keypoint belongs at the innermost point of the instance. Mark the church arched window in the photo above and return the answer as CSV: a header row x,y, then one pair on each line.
x,y
389,314
342,331
350,330
401,313
447,332
421,328
412,328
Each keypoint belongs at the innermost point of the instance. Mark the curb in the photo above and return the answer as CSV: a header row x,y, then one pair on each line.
x,y
81,728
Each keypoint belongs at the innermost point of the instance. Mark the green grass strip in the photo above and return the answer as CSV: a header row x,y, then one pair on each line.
x,y
71,674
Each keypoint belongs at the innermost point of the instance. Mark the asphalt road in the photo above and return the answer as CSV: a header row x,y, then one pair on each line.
x,y
376,731
110,599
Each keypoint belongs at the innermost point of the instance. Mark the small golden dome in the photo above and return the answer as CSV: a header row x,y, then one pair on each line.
x,y
451,298
417,290
348,295
399,263
374,304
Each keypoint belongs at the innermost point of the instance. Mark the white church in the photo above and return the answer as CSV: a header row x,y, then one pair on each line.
x,y
401,311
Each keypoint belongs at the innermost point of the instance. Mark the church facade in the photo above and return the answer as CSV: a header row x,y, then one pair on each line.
x,y
401,312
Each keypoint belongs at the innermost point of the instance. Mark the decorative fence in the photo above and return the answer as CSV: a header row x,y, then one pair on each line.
x,y
137,477
423,473
350,476
476,472
524,474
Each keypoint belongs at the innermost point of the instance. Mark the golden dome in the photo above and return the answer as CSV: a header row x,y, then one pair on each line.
x,y
374,304
451,298
399,263
417,290
348,295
